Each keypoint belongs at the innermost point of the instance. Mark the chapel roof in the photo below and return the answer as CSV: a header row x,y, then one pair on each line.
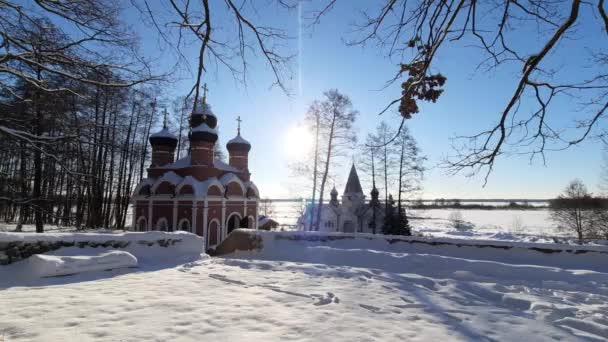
x,y
353,185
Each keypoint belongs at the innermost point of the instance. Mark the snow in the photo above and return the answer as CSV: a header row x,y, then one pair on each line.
x,y
163,133
204,109
355,289
54,265
238,140
504,224
189,247
218,164
179,164
204,128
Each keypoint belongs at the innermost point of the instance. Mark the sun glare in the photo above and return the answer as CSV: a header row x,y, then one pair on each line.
x,y
297,141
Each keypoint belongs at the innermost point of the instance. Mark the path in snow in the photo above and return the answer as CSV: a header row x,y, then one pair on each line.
x,y
354,295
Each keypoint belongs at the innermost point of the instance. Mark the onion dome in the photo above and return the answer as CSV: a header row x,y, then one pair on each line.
x,y
203,113
163,137
238,143
334,197
375,193
203,132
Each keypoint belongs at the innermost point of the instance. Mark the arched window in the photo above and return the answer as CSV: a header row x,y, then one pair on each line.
x,y
184,224
141,224
162,224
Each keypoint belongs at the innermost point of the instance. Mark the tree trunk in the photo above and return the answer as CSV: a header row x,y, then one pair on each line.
x,y
326,171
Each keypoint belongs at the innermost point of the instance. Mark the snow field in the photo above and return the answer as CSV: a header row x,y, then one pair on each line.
x,y
341,290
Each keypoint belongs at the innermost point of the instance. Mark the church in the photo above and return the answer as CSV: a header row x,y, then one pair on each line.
x,y
198,193
350,215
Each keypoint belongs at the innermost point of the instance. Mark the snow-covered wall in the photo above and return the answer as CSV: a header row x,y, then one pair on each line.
x,y
313,247
18,246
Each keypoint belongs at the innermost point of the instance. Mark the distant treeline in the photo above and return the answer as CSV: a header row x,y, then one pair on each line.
x,y
457,204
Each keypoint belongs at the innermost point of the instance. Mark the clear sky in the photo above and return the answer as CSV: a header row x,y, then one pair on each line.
x,y
470,104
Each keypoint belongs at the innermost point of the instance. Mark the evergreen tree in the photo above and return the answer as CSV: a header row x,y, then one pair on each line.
x,y
395,224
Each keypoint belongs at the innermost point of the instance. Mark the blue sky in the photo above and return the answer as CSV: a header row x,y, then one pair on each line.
x,y
471,103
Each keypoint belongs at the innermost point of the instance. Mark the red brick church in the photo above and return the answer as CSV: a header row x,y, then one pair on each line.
x,y
198,193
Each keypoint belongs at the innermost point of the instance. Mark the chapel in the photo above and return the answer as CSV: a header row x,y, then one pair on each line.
x,y
351,214
198,193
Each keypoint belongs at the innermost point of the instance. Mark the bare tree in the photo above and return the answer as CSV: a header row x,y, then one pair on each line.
x,y
414,32
267,207
227,32
336,118
411,169
387,156
573,210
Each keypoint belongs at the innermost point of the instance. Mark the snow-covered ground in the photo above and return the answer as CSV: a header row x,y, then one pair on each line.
x,y
342,290
500,224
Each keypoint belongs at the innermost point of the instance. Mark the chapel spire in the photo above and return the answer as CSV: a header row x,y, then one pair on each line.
x,y
353,185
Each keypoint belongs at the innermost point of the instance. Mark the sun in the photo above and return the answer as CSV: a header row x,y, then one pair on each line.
x,y
297,141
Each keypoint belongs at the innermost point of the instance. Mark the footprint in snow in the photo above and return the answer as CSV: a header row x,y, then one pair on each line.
x,y
371,308
324,300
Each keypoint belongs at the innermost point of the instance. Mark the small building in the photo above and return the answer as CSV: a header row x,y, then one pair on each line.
x,y
350,215
197,193
266,223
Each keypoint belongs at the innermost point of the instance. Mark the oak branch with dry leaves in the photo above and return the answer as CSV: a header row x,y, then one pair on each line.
x,y
415,31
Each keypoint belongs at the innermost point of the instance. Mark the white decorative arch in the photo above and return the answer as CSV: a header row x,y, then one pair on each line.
x,y
180,224
219,232
232,178
200,188
144,182
162,223
169,177
252,186
139,227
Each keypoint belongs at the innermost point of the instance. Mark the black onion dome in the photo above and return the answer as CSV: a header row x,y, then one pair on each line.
x,y
203,115
238,143
203,132
164,138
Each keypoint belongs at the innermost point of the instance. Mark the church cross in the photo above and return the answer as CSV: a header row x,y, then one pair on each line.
x,y
165,118
238,120
204,93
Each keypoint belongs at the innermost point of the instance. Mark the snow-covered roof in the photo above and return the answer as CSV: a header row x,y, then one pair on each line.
x,y
179,164
251,185
144,182
203,108
170,177
200,187
204,128
163,133
232,178
218,164
238,140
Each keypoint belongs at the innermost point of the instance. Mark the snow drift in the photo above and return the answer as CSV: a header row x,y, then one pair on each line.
x,y
53,265
143,245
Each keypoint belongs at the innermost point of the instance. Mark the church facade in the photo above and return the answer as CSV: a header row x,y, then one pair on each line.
x,y
351,215
198,193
